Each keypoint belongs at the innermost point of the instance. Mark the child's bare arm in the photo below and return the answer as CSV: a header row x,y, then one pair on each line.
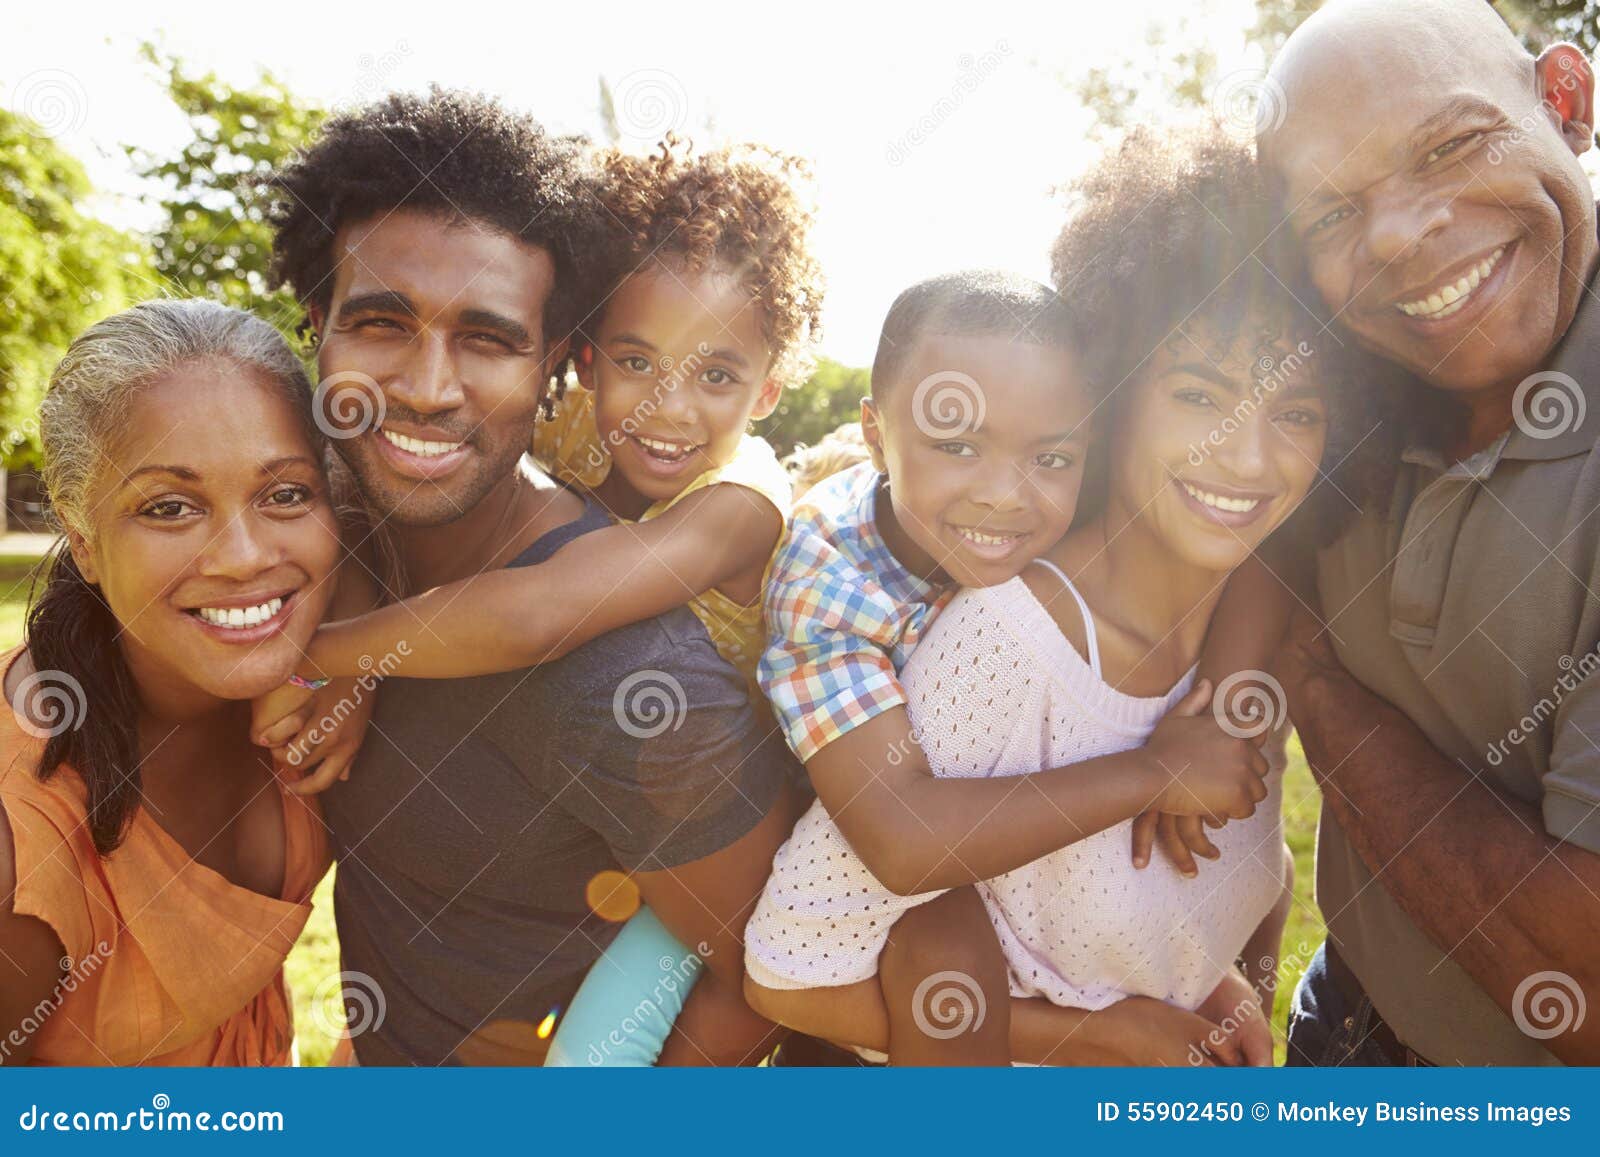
x,y
917,833
508,619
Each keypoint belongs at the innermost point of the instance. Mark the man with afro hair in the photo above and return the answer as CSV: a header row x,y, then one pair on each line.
x,y
494,829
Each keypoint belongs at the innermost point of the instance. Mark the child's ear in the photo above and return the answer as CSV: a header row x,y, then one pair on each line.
x,y
872,434
767,400
583,359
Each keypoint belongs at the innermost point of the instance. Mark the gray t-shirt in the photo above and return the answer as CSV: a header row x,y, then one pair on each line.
x,y
479,810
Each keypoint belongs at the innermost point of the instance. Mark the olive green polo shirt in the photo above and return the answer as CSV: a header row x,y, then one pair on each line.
x,y
1473,605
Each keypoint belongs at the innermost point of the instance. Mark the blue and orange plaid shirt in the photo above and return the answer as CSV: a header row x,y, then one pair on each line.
x,y
843,615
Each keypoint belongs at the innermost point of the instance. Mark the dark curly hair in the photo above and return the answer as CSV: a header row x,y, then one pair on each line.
x,y
1173,229
739,208
455,153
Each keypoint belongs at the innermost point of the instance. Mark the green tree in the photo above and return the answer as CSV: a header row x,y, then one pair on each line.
x,y
829,398
60,271
214,240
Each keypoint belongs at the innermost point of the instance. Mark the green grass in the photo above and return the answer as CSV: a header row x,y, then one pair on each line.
x,y
16,576
314,964
312,970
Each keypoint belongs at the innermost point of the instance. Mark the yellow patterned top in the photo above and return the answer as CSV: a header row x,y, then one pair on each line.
x,y
569,447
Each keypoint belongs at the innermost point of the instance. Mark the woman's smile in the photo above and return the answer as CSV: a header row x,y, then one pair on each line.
x,y
1226,505
245,619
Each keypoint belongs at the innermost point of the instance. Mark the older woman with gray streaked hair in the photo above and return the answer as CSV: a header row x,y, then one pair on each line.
x,y
154,867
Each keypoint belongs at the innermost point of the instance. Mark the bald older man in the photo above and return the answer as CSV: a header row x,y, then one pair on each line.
x,y
1429,167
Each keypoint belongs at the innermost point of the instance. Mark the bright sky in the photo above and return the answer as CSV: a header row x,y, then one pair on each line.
x,y
936,132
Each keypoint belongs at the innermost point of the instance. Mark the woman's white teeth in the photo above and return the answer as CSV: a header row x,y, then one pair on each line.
x,y
660,449
1443,302
240,616
417,446
982,539
1222,501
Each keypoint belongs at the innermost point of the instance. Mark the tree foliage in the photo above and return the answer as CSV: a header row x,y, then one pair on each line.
x,y
214,240
805,414
60,271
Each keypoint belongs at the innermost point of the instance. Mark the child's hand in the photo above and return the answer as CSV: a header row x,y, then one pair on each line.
x,y
1234,1008
1182,838
1140,1030
279,715
323,734
1207,772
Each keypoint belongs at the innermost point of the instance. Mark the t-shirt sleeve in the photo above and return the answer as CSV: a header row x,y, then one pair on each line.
x,y
1572,785
831,631
668,762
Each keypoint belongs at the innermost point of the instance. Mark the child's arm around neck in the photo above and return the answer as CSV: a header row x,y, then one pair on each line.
x,y
518,617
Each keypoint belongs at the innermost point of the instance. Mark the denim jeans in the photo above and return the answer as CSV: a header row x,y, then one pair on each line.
x,y
1325,1029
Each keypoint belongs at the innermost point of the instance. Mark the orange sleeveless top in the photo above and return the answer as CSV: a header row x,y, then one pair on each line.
x,y
167,962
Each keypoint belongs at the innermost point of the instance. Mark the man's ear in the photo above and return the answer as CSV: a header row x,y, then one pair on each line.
x,y
314,318
767,400
1566,85
872,434
83,557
